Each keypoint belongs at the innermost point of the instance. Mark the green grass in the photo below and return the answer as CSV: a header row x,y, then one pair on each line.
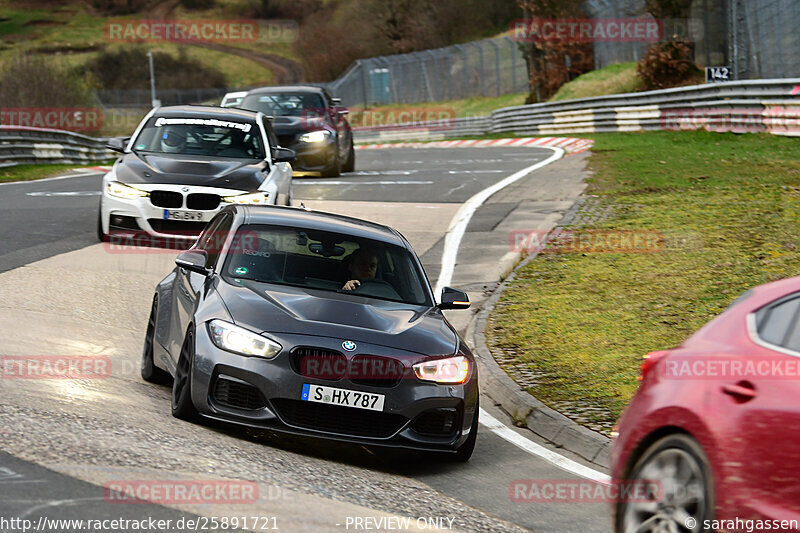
x,y
728,208
82,34
614,79
468,107
37,172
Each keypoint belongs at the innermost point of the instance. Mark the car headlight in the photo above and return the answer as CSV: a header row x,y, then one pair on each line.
x,y
120,190
255,198
315,136
452,370
242,341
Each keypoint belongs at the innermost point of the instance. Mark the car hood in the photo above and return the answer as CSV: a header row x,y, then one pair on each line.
x,y
226,173
280,309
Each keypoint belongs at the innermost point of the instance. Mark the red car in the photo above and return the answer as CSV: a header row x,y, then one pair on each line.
x,y
715,424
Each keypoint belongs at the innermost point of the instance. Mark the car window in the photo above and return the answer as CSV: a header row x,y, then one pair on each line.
x,y
213,237
325,261
201,136
778,324
289,104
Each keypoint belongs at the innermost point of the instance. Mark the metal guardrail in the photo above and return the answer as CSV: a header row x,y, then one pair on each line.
x,y
460,127
746,106
21,145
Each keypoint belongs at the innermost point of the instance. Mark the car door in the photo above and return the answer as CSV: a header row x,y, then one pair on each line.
x,y
339,122
281,173
768,394
188,285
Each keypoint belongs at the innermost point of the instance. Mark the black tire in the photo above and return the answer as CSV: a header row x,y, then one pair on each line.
x,y
464,451
182,406
695,496
350,164
150,372
335,169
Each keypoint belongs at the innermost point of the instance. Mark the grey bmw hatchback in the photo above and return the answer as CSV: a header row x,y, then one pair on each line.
x,y
313,324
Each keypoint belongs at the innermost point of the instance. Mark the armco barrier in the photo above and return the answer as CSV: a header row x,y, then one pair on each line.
x,y
771,106
20,145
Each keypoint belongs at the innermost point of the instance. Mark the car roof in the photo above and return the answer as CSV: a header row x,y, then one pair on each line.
x,y
308,219
286,88
205,111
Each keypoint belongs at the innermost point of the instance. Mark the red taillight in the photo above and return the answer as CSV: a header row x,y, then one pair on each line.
x,y
649,361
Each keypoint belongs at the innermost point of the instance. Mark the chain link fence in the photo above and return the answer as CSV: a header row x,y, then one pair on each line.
x,y
491,67
765,39
758,39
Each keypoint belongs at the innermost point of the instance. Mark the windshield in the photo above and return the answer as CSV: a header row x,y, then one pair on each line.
x,y
285,104
325,261
201,136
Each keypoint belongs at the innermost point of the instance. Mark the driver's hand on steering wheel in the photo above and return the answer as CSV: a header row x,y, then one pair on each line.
x,y
351,285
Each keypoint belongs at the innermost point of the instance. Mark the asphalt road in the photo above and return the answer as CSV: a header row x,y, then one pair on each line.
x,y
98,430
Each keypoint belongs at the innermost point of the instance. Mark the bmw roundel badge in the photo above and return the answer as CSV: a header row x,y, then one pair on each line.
x,y
349,345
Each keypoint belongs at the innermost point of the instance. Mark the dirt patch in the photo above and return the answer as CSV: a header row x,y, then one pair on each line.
x,y
45,22
70,49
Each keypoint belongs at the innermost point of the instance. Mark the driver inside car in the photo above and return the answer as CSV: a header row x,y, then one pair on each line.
x,y
361,265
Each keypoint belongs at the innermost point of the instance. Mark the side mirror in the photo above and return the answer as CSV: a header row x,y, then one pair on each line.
x,y
194,261
117,144
454,299
336,101
283,155
342,111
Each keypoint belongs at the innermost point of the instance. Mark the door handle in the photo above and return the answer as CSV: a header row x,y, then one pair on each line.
x,y
743,391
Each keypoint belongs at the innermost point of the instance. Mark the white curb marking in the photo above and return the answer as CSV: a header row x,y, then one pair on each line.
x,y
506,433
458,224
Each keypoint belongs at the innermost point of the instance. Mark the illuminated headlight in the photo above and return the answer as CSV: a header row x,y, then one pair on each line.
x,y
315,136
243,341
256,198
120,190
452,370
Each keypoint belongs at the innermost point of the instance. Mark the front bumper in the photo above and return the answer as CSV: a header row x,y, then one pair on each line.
x,y
123,216
256,392
314,157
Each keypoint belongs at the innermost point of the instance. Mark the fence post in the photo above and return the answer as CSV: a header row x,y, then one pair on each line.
x,y
497,65
513,64
466,68
364,82
482,70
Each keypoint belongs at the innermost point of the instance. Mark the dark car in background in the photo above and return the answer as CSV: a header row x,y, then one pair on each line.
x,y
262,324
310,122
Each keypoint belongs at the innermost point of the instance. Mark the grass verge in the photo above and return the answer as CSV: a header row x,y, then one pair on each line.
x,y
614,79
37,172
468,107
728,208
